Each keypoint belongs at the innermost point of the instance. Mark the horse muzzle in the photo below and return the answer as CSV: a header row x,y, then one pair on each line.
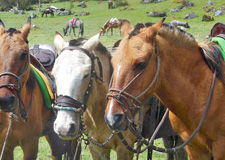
x,y
117,122
8,103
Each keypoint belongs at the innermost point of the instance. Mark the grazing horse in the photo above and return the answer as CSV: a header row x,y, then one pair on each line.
x,y
82,75
112,23
72,24
24,116
47,11
187,76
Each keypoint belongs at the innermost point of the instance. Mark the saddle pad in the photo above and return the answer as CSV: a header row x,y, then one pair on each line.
x,y
44,86
221,42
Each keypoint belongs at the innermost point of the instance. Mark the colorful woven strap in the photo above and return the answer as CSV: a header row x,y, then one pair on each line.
x,y
44,86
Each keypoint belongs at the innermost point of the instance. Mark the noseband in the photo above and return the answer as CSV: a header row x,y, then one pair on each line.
x,y
67,102
17,87
122,94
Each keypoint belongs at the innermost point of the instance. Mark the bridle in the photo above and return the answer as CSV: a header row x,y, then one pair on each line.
x,y
132,126
18,87
69,103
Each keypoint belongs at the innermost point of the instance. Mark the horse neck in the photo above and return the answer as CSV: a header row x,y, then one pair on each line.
x,y
182,71
97,99
67,26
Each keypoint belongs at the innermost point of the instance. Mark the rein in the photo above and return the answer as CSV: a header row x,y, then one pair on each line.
x,y
132,126
68,103
18,87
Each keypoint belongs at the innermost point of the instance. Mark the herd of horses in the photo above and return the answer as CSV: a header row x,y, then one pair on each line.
x,y
158,59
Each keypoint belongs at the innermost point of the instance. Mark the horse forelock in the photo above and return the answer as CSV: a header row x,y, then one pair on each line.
x,y
11,31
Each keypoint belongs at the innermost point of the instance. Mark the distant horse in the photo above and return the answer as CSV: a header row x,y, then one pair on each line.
x,y
110,4
47,11
187,76
72,24
82,76
112,23
24,115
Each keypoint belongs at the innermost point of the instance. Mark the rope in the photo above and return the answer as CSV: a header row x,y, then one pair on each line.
x,y
7,134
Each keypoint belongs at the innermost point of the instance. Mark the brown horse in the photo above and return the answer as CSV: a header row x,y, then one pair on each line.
x,y
110,4
47,11
110,24
170,63
24,117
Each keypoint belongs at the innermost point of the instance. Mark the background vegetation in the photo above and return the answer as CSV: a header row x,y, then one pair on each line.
x,y
135,12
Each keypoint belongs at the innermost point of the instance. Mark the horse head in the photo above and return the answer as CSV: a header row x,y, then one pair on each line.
x,y
14,68
73,72
130,64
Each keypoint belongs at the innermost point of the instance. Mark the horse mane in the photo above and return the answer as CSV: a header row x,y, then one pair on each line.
x,y
210,52
31,81
212,55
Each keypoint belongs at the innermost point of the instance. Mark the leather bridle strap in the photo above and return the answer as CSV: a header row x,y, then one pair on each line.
x,y
18,88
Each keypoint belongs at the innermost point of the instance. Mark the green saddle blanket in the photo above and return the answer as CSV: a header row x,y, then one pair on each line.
x,y
221,42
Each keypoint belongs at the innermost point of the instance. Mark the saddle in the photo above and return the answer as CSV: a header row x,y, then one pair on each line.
x,y
74,20
217,35
45,53
47,79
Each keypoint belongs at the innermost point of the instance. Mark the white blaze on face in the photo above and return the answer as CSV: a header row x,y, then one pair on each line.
x,y
109,116
72,75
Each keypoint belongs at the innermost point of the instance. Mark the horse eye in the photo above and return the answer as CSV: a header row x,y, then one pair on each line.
x,y
140,65
85,76
23,55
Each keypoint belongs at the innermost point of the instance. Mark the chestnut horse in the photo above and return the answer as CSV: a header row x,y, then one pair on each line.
x,y
164,60
110,24
81,96
24,117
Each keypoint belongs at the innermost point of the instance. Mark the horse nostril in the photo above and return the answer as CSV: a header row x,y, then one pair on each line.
x,y
119,118
8,100
72,128
11,99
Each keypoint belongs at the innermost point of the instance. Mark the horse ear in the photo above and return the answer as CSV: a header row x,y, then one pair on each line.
x,y
92,42
154,29
26,29
59,42
2,27
126,27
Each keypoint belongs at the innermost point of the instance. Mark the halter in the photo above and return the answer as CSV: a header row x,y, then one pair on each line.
x,y
132,126
18,87
68,103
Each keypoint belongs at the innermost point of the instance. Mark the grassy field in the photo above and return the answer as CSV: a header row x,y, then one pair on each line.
x,y
136,12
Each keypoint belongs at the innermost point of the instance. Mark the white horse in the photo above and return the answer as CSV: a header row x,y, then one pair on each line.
x,y
78,72
72,24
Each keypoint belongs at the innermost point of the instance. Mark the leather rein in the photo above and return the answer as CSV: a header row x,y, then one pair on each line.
x,y
120,93
18,87
70,104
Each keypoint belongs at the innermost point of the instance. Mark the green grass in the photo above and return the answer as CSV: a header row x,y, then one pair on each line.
x,y
44,152
92,25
